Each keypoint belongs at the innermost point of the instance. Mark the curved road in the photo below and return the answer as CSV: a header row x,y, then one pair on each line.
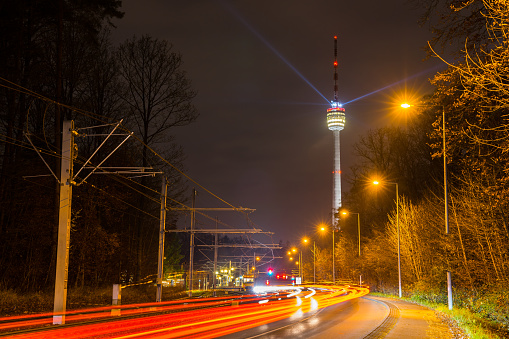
x,y
365,317
286,312
355,318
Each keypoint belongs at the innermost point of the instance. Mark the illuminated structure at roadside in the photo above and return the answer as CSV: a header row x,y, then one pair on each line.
x,y
336,122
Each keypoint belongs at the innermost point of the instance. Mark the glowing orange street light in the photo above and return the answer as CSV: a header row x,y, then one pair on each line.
x,y
446,203
323,228
397,225
344,212
306,240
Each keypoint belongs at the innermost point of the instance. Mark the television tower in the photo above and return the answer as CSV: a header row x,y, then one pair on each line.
x,y
336,122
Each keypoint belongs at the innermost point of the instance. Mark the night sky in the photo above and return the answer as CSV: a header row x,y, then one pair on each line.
x,y
264,75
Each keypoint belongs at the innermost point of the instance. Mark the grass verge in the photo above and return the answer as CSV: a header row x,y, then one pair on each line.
x,y
471,323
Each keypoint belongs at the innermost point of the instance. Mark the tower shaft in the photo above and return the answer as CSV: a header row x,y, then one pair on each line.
x,y
336,177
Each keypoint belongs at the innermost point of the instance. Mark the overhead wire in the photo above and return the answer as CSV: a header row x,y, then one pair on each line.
x,y
94,115
107,120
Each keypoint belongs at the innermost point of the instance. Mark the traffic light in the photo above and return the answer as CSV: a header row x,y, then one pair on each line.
x,y
270,271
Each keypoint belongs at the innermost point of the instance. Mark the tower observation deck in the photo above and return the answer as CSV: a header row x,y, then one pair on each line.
x,y
336,123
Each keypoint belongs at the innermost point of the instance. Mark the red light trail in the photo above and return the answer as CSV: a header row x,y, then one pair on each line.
x,y
196,318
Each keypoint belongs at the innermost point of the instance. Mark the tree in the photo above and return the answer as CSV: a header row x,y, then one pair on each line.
x,y
28,58
396,155
158,96
452,21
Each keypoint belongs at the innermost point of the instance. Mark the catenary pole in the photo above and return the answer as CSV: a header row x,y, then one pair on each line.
x,y
160,254
64,225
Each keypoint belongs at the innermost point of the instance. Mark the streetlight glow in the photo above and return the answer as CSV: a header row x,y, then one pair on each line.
x,y
323,228
446,204
397,225
306,241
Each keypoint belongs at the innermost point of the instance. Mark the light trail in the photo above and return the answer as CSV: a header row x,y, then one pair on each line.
x,y
24,321
313,292
203,318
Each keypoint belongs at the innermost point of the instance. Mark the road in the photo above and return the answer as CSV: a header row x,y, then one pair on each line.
x,y
350,319
365,317
314,312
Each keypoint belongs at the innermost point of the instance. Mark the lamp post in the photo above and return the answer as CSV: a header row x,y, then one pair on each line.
x,y
314,262
301,272
305,241
359,236
299,262
358,227
323,229
446,202
397,225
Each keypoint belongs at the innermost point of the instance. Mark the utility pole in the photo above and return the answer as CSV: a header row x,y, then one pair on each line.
x,y
64,224
160,256
65,181
215,263
191,246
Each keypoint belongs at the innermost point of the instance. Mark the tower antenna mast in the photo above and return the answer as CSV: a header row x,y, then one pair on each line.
x,y
336,99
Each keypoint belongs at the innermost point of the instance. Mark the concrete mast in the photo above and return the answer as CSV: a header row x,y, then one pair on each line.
x,y
336,123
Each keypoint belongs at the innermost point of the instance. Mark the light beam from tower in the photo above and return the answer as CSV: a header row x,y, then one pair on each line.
x,y
335,123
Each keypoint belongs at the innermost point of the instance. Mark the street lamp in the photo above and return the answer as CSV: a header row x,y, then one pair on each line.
x,y
298,262
359,236
397,224
358,226
323,228
446,203
306,240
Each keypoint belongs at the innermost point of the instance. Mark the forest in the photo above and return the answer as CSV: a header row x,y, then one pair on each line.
x,y
58,63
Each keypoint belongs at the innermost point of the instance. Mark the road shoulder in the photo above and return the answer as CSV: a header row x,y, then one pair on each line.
x,y
416,321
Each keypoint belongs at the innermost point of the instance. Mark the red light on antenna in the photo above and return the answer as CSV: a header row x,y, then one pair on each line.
x,y
335,37
335,63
